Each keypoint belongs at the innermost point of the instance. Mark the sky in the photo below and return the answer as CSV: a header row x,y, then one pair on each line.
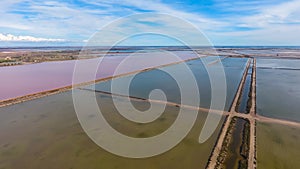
x,y
222,22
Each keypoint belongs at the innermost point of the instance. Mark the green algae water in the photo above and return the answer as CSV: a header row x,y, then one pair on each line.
x,y
277,146
45,133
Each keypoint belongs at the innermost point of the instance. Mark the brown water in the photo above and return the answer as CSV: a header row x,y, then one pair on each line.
x,y
45,133
277,146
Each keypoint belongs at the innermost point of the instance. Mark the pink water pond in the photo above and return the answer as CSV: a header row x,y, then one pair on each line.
x,y
17,81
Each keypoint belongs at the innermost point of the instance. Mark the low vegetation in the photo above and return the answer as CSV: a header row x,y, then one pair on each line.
x,y
228,152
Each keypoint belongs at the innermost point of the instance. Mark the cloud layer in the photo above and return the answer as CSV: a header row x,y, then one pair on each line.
x,y
225,22
13,38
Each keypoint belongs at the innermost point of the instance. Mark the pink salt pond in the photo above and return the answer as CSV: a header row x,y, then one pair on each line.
x,y
17,81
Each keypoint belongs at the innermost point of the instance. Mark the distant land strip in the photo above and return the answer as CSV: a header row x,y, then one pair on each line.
x,y
282,68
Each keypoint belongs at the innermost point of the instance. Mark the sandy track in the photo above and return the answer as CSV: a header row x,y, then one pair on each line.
x,y
235,114
278,121
159,102
252,144
21,99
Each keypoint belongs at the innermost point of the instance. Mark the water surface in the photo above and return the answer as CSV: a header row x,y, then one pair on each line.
x,y
45,133
144,82
277,146
234,154
244,98
278,91
23,80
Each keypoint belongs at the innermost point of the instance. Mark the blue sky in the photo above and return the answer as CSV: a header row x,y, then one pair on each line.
x,y
224,22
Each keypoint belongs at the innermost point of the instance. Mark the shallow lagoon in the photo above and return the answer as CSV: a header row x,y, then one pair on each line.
x,y
277,146
278,91
21,80
145,82
45,133
278,63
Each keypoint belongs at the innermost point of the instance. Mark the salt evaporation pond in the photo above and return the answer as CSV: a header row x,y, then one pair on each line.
x,y
35,133
144,82
277,146
278,91
45,133
23,80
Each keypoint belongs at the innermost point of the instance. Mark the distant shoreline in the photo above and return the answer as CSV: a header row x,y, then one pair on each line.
x,y
30,55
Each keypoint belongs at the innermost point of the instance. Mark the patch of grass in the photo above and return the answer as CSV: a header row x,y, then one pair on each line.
x,y
224,150
245,141
6,61
243,164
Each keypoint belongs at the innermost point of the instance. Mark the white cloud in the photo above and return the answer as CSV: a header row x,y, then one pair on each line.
x,y
284,13
68,21
269,23
13,38
51,19
259,21
156,6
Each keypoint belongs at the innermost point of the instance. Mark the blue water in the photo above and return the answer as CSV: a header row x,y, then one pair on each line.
x,y
278,91
144,82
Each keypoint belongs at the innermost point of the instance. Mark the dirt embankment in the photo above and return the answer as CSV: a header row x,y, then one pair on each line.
x,y
213,161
